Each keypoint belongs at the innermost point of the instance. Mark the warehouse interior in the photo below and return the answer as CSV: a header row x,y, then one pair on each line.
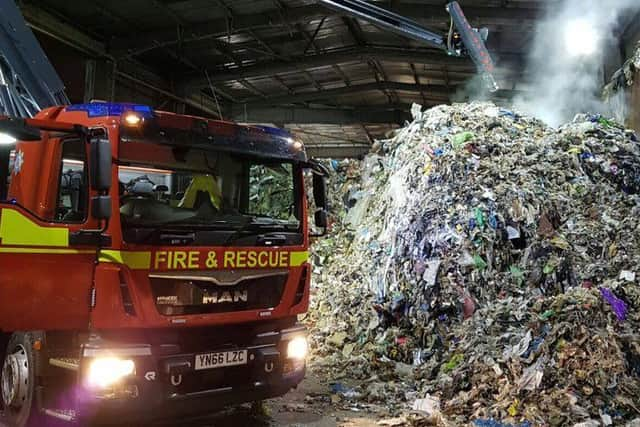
x,y
288,213
337,81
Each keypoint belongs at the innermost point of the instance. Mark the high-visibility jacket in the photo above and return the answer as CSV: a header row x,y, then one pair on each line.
x,y
202,183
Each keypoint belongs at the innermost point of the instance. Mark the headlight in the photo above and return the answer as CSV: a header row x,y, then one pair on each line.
x,y
105,371
297,348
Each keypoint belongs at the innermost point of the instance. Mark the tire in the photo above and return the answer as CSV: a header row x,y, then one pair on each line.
x,y
18,382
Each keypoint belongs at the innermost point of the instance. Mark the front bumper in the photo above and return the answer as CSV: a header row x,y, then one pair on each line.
x,y
166,384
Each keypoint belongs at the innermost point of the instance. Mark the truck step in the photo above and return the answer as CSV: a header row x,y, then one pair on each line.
x,y
65,363
68,415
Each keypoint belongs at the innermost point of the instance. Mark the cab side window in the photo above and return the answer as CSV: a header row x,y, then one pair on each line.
x,y
7,162
73,189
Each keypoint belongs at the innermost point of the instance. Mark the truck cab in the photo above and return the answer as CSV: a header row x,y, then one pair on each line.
x,y
153,265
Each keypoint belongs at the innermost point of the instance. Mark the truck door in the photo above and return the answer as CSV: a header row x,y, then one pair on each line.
x,y
45,277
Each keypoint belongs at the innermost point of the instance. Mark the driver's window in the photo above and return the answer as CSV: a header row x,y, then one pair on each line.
x,y
271,191
73,189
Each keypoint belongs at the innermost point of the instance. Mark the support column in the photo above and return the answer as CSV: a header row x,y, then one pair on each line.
x,y
634,104
89,80
103,79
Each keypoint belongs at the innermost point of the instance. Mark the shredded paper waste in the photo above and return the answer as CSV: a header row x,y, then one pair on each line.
x,y
481,270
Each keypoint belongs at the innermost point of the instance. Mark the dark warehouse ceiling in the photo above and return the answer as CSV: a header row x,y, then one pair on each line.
x,y
294,63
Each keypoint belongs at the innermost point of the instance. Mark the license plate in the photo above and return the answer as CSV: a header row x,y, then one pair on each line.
x,y
221,359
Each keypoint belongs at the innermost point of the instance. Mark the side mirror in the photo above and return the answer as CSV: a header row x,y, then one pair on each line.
x,y
320,191
100,175
100,166
320,218
101,207
320,199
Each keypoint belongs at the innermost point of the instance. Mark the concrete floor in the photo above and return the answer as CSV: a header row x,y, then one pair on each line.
x,y
309,405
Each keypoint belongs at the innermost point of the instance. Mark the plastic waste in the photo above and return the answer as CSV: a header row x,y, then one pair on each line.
x,y
618,306
490,422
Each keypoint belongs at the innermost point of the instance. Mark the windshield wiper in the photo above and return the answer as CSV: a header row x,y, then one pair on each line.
x,y
265,221
170,231
184,223
260,226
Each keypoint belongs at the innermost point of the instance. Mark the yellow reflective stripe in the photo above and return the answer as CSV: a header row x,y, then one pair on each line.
x,y
141,260
6,250
16,229
136,260
296,259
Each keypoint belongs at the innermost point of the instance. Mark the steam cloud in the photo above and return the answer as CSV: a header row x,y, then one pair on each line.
x,y
565,71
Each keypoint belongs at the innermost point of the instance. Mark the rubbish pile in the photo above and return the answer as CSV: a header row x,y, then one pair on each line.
x,y
484,271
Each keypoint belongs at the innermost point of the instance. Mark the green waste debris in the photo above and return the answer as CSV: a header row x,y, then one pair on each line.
x,y
452,364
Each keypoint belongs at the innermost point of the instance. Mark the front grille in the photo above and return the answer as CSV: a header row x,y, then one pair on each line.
x,y
204,293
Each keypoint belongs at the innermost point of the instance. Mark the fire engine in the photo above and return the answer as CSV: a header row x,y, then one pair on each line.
x,y
153,264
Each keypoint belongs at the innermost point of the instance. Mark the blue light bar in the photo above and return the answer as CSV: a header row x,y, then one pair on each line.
x,y
102,109
276,131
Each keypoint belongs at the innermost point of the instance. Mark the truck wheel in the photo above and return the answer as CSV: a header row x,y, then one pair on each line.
x,y
17,382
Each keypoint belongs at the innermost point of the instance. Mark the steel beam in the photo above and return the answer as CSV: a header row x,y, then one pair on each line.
x,y
356,33
342,74
429,15
359,54
46,23
310,115
200,101
337,151
432,93
89,80
416,78
312,39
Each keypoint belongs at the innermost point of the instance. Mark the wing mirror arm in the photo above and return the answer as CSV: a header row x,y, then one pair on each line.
x,y
100,160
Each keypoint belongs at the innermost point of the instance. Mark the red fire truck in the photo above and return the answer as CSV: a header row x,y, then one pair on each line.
x,y
153,264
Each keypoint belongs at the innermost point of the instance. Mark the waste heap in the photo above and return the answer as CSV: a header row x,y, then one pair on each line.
x,y
487,273
344,187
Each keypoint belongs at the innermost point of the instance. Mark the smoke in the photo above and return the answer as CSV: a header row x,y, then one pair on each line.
x,y
566,60
476,89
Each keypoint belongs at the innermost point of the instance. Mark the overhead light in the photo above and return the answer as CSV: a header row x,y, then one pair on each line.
x,y
6,139
581,38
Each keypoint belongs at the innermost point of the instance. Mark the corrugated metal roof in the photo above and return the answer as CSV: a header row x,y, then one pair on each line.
x,y
257,50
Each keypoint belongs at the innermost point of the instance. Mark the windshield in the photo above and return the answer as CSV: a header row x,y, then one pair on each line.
x,y
190,188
